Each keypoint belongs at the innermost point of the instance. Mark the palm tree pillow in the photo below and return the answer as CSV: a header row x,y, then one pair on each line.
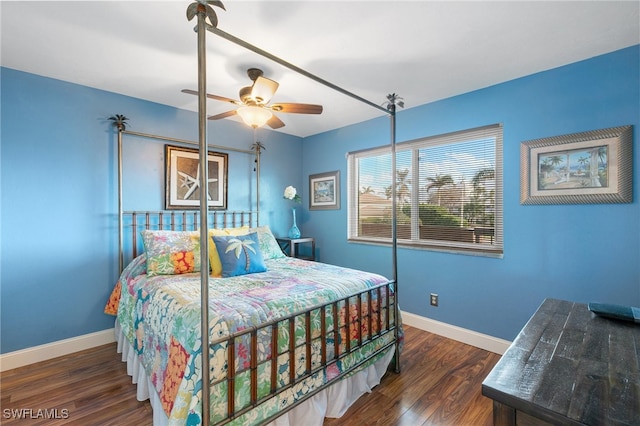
x,y
239,254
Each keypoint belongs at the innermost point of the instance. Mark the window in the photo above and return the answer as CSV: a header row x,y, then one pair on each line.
x,y
448,192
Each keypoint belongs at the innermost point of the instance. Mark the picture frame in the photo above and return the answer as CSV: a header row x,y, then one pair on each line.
x,y
182,179
324,191
592,167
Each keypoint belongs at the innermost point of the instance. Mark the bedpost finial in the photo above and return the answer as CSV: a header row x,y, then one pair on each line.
x,y
204,6
119,122
258,147
392,101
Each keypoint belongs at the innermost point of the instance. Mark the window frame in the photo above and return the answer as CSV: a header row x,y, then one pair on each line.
x,y
493,249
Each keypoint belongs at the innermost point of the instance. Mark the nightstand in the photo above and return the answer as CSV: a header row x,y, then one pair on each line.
x,y
290,247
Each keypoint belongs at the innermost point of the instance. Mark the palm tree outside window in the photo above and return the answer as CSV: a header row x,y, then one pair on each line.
x,y
448,192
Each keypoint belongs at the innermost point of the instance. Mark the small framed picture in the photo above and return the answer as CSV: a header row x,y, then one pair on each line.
x,y
182,173
581,168
324,190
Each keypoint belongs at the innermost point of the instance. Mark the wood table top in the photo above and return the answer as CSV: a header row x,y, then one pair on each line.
x,y
569,366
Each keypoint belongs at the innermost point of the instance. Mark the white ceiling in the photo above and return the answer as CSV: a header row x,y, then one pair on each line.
x,y
422,50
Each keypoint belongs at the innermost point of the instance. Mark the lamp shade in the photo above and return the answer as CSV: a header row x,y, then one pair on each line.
x,y
254,116
263,89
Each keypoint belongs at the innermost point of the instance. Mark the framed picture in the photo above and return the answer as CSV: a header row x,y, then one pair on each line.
x,y
324,190
589,167
182,176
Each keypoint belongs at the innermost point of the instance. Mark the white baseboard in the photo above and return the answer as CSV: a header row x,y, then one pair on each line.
x,y
23,357
473,338
48,351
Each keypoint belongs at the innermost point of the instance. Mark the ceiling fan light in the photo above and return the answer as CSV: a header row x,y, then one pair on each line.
x,y
254,116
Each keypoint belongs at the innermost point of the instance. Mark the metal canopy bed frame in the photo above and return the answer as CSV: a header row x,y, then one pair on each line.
x,y
387,294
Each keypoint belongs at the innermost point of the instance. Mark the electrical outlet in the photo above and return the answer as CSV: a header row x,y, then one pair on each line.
x,y
433,300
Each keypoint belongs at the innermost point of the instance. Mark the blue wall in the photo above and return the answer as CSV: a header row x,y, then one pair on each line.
x,y
576,252
59,196
59,202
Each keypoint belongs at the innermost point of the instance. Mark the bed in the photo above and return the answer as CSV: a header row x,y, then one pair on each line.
x,y
288,341
297,337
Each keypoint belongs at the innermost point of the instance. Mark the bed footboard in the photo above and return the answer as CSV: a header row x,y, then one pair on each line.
x,y
308,351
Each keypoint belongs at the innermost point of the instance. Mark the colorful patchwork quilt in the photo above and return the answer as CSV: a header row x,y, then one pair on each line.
x,y
160,316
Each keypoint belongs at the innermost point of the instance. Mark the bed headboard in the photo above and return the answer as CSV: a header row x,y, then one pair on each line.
x,y
176,220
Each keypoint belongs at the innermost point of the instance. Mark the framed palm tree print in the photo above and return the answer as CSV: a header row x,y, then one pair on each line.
x,y
589,167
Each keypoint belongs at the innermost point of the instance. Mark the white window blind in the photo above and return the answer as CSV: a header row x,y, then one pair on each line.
x,y
448,192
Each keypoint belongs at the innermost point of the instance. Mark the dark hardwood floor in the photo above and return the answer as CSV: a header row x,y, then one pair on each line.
x,y
439,385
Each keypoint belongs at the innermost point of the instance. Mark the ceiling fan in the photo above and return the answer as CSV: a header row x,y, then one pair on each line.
x,y
254,109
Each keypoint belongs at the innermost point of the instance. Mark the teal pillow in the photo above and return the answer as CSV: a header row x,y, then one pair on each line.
x,y
268,244
239,254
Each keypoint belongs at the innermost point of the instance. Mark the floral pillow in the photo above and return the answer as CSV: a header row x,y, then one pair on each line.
x,y
171,252
239,254
268,244
214,258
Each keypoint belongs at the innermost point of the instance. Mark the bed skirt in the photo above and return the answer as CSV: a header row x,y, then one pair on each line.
x,y
332,402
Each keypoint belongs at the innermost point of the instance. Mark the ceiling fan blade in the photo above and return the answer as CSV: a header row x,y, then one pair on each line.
x,y
223,115
274,122
297,108
210,96
263,89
